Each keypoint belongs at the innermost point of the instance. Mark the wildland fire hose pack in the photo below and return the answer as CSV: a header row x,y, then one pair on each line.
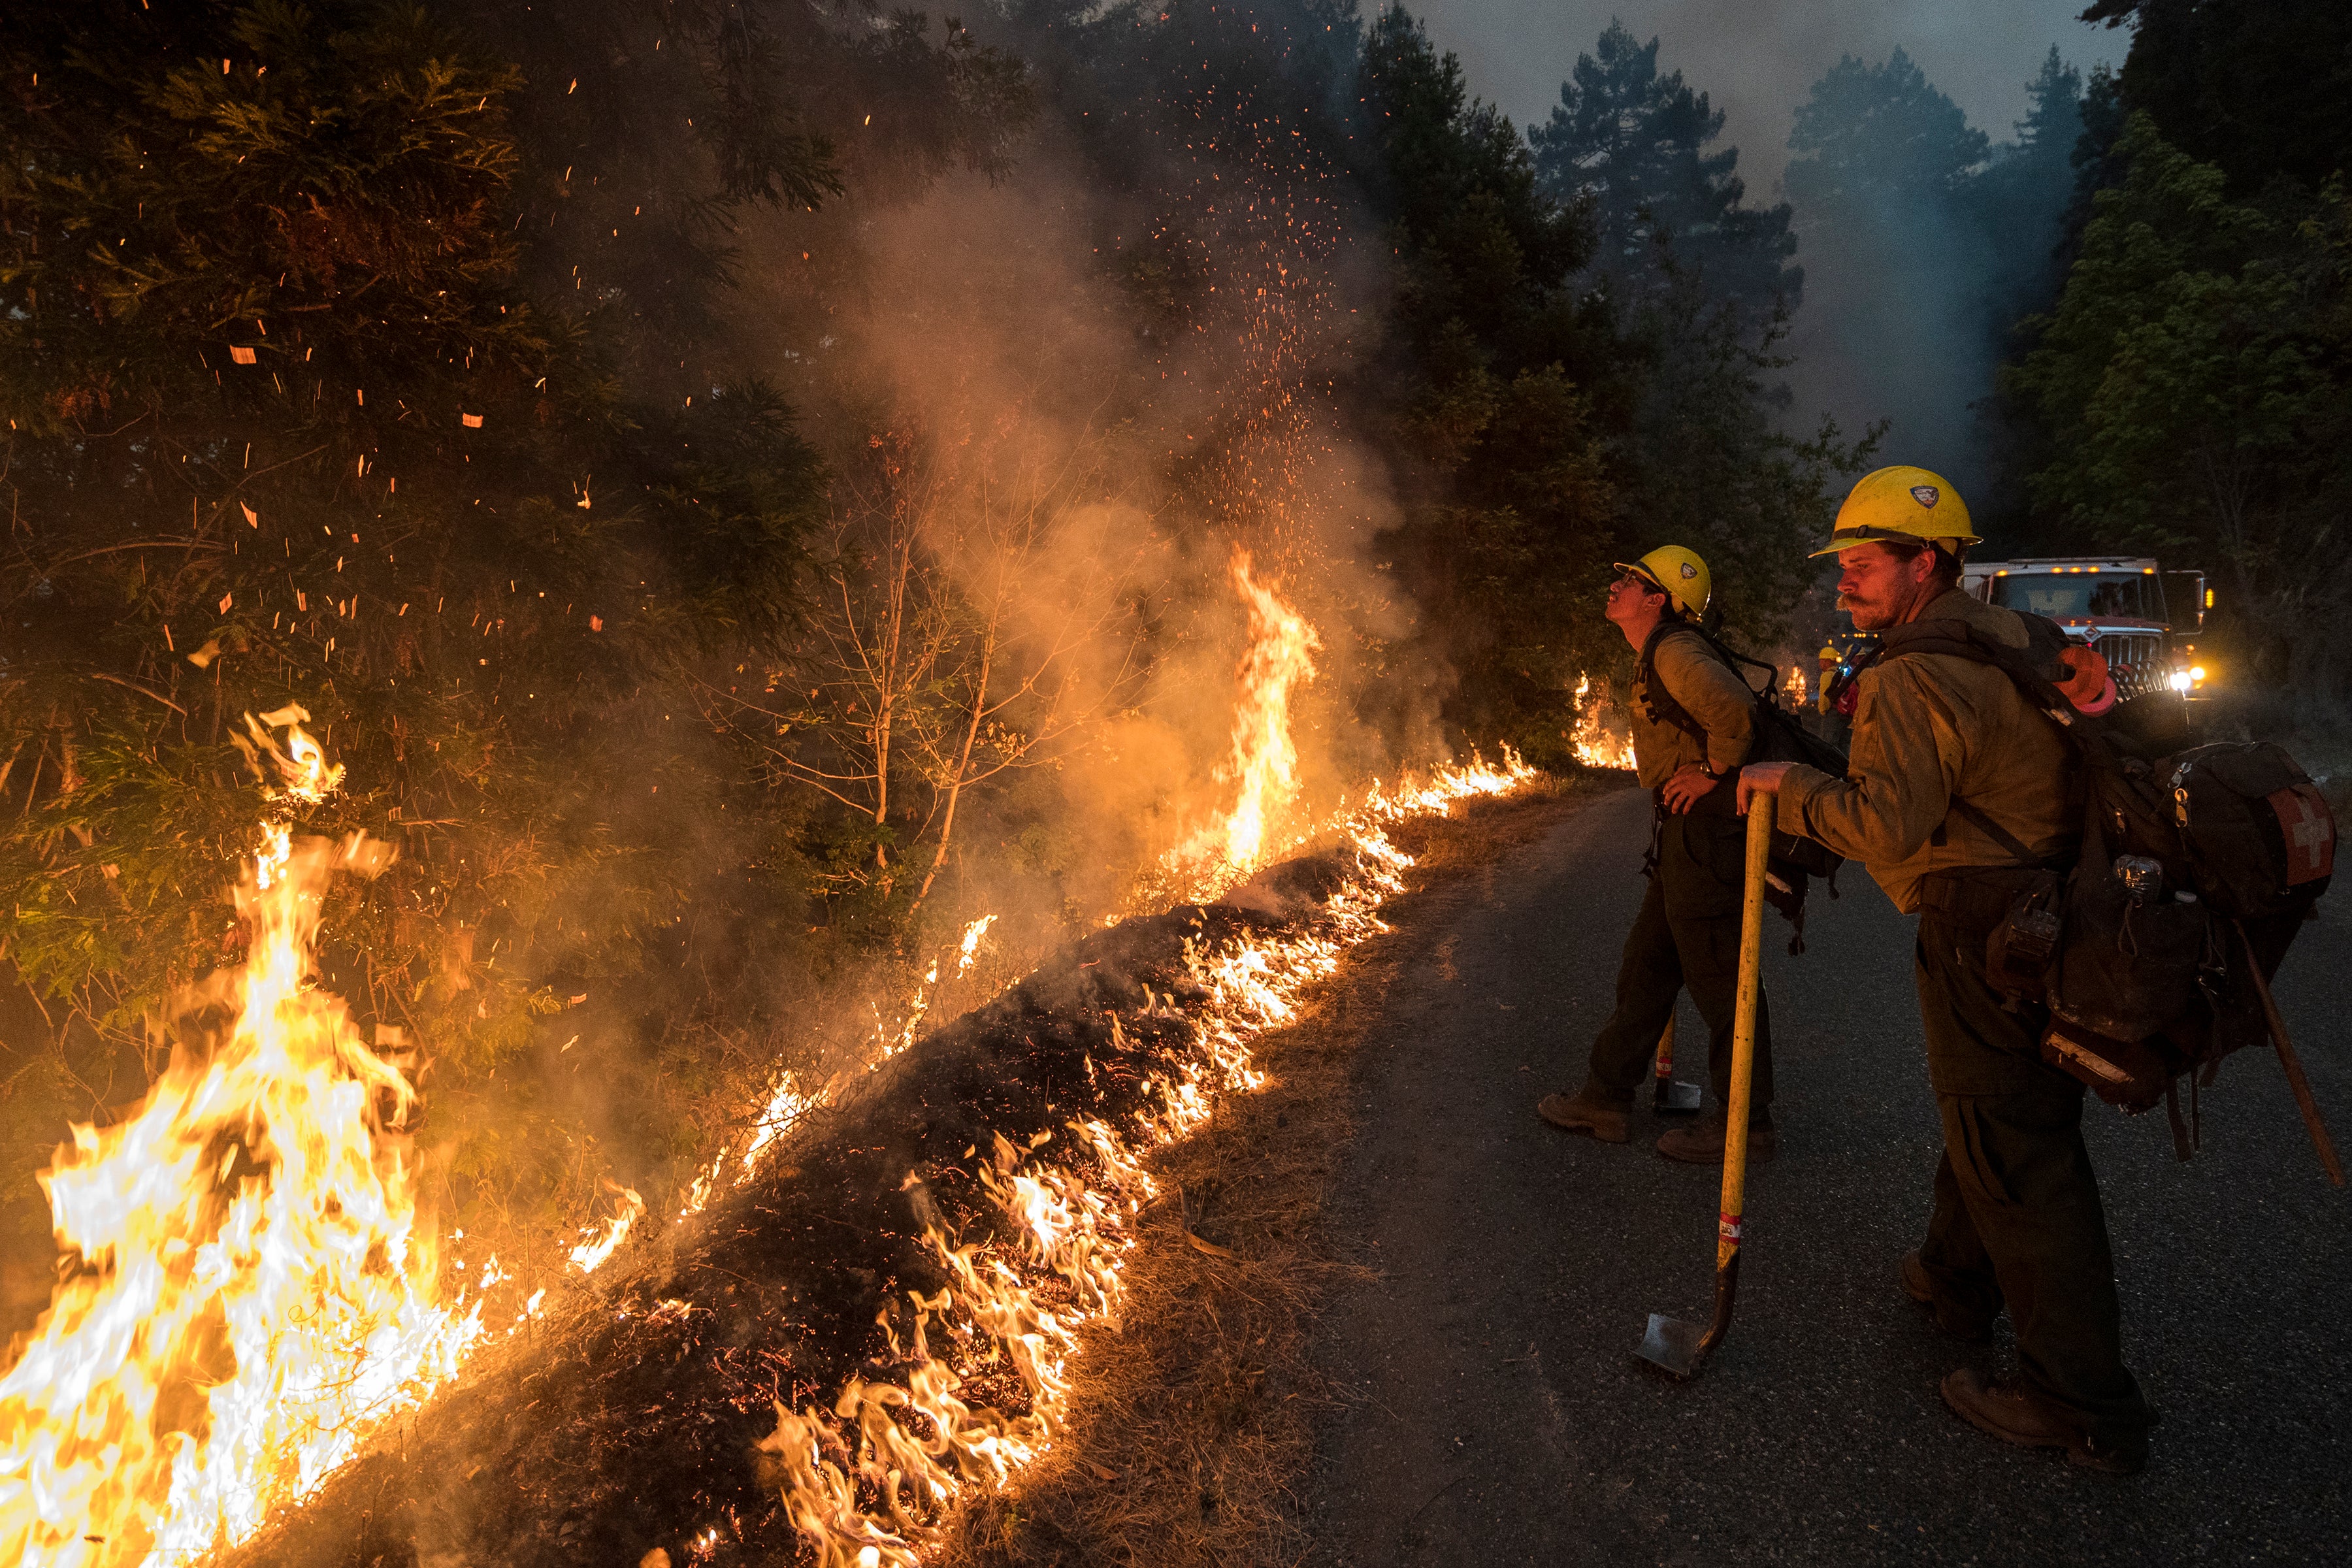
x,y
2153,950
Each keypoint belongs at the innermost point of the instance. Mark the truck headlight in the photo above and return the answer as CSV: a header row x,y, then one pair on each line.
x,y
2180,678
2197,673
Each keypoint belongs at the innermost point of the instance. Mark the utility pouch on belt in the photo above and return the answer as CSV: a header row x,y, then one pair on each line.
x,y
2131,1075
2019,953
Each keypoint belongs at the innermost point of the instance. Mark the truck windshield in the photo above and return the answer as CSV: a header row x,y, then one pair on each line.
x,y
2082,595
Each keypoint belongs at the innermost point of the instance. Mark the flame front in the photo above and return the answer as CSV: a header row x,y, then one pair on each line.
x,y
873,1482
252,1297
248,1294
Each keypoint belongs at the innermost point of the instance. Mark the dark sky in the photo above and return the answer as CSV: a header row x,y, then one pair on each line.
x,y
1758,58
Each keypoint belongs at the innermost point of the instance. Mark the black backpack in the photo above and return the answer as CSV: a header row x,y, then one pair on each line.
x,y
1781,736
2195,870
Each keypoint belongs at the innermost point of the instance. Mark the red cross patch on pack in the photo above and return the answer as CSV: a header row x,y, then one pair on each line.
x,y
2309,829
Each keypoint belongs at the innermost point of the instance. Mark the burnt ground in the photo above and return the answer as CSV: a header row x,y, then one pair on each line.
x,y
628,1418
1488,1406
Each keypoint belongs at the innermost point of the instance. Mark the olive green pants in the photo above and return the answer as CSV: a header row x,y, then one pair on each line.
x,y
2017,1219
1686,936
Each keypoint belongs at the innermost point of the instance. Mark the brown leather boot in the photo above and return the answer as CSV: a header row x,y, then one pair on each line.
x,y
1701,1142
1587,1110
2010,1412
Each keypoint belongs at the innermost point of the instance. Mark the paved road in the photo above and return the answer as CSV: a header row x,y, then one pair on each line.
x,y
1495,1414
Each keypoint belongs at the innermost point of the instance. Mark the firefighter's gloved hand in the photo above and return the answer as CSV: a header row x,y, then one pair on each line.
x,y
2088,687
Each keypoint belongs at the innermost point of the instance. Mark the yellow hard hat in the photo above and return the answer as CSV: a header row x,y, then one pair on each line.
x,y
1676,572
1909,506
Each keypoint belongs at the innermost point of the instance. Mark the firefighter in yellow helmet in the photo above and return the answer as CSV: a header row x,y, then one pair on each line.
x,y
1956,800
1694,724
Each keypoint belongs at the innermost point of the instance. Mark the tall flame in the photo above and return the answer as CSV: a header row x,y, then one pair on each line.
x,y
1263,762
249,1295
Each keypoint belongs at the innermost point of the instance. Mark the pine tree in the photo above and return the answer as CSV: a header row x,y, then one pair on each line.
x,y
2020,196
1634,146
1896,328
2261,88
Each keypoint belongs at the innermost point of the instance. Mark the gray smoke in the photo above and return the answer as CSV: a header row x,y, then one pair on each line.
x,y
1757,58
1919,361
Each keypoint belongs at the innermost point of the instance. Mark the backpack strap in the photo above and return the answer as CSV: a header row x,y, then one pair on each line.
x,y
1996,832
1958,639
1657,702
2028,667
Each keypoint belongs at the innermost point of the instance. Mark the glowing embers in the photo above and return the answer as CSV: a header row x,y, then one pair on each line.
x,y
1602,737
248,1294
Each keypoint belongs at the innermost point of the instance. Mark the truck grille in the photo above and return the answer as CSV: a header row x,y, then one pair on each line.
x,y
2137,663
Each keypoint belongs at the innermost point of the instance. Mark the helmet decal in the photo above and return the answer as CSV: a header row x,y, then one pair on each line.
x,y
1925,495
1689,569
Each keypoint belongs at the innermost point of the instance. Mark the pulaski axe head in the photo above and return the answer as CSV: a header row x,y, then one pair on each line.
x,y
1674,1347
1679,1349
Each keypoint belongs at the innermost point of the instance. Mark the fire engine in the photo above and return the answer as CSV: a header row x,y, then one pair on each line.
x,y
2142,620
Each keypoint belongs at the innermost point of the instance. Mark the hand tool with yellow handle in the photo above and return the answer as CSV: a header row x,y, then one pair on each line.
x,y
1668,1098
1672,1346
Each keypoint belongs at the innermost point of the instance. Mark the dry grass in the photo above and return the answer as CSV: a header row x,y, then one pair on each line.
x,y
1195,1418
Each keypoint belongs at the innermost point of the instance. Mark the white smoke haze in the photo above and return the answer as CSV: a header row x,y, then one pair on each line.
x,y
989,394
1757,58
1919,352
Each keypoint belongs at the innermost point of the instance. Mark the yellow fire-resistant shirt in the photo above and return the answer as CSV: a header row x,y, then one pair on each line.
x,y
1710,693
1930,729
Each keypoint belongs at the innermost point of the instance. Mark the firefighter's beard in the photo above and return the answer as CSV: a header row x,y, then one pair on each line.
x,y
1879,606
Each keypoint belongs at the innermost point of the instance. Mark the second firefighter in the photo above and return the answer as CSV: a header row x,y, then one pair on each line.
x,y
1694,724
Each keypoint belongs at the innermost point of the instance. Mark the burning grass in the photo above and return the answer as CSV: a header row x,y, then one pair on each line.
x,y
1195,1415
879,1325
865,1324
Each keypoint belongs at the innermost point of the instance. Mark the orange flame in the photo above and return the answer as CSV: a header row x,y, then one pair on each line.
x,y
600,1241
1597,742
871,1485
1263,763
249,1294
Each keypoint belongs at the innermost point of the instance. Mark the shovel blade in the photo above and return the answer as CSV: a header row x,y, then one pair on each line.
x,y
1674,1098
1672,1346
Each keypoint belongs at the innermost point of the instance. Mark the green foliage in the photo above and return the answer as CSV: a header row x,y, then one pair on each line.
x,y
2190,388
2262,89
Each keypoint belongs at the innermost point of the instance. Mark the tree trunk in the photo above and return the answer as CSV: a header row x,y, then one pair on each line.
x,y
963,766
